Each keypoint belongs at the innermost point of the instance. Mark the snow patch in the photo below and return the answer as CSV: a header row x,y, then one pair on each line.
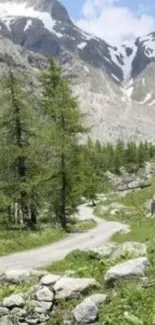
x,y
147,98
128,91
28,24
9,10
82,45
148,42
120,58
107,59
57,34
115,77
86,69
152,103
7,21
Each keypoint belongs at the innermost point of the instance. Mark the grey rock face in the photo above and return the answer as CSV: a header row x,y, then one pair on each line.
x,y
100,73
131,268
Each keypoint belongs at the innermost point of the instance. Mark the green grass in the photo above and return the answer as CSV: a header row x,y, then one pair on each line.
x,y
84,263
16,241
10,289
19,240
83,226
130,303
127,296
142,228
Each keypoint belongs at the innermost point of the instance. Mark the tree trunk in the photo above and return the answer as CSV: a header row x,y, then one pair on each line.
x,y
33,216
63,219
21,167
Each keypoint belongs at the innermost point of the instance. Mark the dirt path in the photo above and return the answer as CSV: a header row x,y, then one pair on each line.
x,y
45,255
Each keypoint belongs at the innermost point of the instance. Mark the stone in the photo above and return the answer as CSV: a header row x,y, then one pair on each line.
x,y
16,300
97,299
32,321
104,251
44,294
131,268
20,312
17,276
85,313
133,249
43,318
49,279
42,307
5,320
3,311
70,287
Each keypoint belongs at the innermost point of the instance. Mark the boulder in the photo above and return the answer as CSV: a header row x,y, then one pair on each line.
x,y
85,313
16,300
44,294
133,249
131,268
32,321
42,307
106,250
70,287
5,320
17,276
50,279
3,311
20,312
97,299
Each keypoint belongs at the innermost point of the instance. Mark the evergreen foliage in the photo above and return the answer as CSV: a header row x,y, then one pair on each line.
x,y
18,158
42,161
64,123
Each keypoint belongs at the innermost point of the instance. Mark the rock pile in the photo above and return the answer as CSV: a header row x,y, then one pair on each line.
x,y
36,305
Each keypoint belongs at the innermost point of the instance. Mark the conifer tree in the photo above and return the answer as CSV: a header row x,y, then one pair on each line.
x,y
64,124
17,137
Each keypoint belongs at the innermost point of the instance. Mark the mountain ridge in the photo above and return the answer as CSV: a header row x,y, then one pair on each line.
x,y
114,85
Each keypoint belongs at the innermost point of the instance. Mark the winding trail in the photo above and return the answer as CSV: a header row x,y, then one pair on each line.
x,y
42,256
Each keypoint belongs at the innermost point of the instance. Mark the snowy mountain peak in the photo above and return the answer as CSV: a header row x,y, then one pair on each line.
x,y
44,26
48,11
148,44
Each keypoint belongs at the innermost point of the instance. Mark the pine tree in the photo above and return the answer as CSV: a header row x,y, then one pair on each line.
x,y
17,143
64,126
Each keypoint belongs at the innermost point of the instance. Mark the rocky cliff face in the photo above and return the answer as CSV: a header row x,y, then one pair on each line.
x,y
114,85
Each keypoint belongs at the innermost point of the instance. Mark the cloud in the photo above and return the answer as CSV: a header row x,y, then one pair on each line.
x,y
114,23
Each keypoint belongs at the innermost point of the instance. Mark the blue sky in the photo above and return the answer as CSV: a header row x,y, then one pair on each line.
x,y
114,20
74,6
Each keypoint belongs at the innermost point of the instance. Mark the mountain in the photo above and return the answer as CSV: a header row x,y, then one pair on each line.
x,y
114,84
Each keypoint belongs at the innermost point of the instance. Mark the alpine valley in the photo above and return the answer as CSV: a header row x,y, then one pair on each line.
x,y
115,85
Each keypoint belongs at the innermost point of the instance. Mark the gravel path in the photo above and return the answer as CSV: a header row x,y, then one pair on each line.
x,y
45,255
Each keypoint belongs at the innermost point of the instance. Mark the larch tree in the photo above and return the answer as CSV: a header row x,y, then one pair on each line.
x,y
18,149
64,125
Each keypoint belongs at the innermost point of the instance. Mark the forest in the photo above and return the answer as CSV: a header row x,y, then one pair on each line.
x,y
43,165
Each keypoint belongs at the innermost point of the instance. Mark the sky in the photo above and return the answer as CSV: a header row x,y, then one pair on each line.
x,y
116,21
